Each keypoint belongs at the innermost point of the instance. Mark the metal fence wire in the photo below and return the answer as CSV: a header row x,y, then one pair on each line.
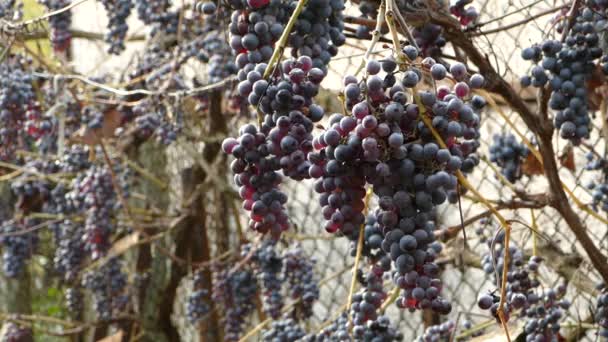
x,y
463,279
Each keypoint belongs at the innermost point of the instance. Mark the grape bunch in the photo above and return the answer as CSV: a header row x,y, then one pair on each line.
x,y
152,11
283,330
69,249
509,155
286,100
599,188
367,302
543,318
18,245
521,286
235,292
152,119
601,314
108,286
384,144
118,11
93,193
438,332
268,266
16,97
196,309
380,329
298,273
256,174
59,24
318,31
255,26
74,301
567,67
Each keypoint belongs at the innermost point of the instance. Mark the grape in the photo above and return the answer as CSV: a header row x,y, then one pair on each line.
x,y
458,70
438,71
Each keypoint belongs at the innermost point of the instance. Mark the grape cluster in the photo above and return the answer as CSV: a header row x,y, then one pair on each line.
x,y
152,11
152,119
599,188
543,318
59,24
509,155
108,286
601,314
17,245
385,144
567,67
93,193
283,330
118,11
268,266
467,15
439,332
255,26
236,292
286,100
380,329
298,272
16,97
522,287
74,301
197,306
256,174
69,251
